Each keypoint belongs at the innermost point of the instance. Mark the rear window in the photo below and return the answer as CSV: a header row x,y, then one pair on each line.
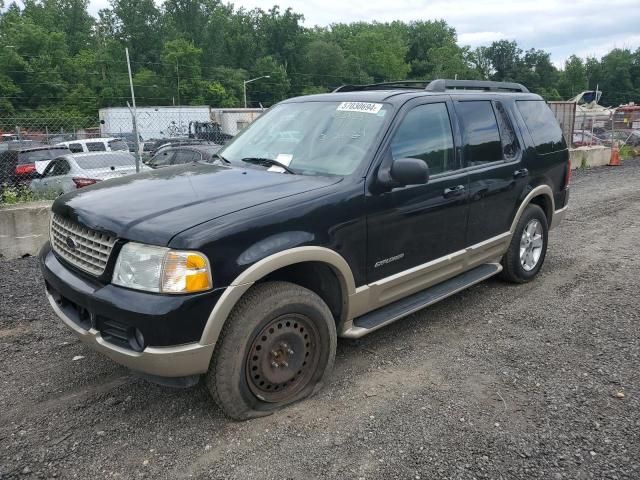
x,y
542,125
116,145
39,155
96,147
106,161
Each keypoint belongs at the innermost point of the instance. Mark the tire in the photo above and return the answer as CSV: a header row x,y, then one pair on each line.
x,y
513,269
280,334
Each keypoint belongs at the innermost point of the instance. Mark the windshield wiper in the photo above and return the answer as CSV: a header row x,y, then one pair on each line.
x,y
268,162
217,155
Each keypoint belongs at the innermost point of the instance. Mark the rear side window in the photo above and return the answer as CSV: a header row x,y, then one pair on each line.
x,y
60,167
482,142
96,147
542,125
510,145
185,156
163,158
425,133
75,147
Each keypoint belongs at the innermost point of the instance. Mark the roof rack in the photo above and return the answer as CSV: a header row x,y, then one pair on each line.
x,y
412,84
439,85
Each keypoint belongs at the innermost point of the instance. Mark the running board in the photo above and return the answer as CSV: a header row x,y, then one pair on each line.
x,y
395,311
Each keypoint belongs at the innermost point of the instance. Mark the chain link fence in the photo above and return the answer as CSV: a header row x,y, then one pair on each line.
x,y
42,158
584,127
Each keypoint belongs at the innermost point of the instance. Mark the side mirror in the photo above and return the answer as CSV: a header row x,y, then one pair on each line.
x,y
405,171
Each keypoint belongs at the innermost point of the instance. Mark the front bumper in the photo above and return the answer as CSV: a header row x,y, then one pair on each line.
x,y
91,309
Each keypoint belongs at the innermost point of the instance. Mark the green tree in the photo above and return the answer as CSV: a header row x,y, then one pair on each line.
x,y
268,91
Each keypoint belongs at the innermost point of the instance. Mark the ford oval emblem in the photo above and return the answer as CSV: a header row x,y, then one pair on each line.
x,y
71,243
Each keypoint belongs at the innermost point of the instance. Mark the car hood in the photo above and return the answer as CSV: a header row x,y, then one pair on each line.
x,y
153,207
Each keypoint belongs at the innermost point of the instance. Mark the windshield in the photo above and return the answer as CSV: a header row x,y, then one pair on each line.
x,y
311,137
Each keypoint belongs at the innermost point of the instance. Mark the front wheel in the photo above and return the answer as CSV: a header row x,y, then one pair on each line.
x,y
528,246
277,347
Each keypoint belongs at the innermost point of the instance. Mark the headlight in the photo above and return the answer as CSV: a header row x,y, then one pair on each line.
x,y
159,269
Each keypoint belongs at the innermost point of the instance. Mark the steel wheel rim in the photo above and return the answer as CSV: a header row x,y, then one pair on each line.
x,y
531,244
283,358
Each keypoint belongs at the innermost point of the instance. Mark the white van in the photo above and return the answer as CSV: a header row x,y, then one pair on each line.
x,y
107,144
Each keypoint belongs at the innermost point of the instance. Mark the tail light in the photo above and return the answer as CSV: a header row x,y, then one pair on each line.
x,y
567,180
25,169
84,182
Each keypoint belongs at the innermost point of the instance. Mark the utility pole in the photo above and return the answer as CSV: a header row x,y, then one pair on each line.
x,y
244,87
133,113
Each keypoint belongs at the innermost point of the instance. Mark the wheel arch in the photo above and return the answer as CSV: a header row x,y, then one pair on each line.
x,y
268,268
542,195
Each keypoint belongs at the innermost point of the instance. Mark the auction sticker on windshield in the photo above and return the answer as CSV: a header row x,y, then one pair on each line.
x,y
365,107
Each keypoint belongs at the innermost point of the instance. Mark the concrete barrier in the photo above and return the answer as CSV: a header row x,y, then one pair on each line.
x,y
583,157
23,228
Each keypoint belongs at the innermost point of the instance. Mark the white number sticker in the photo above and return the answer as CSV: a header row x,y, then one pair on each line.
x,y
359,107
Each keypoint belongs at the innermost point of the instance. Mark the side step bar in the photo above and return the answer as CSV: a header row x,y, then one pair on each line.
x,y
395,311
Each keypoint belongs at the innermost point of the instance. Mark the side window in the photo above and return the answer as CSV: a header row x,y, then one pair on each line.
x,y
57,168
425,133
542,125
49,168
75,147
61,168
184,156
96,147
510,145
162,158
480,132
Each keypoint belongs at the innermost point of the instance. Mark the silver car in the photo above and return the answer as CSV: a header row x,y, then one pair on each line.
x,y
70,172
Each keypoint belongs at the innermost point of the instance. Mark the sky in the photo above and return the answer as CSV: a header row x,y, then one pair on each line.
x,y
561,27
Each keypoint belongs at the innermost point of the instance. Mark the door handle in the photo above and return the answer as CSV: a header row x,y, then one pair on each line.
x,y
523,172
453,191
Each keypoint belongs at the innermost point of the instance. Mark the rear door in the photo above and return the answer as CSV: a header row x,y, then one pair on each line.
x,y
53,176
492,155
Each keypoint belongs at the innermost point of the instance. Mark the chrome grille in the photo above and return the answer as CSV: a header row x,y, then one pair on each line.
x,y
89,250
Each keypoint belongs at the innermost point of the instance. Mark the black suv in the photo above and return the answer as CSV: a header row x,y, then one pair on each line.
x,y
331,215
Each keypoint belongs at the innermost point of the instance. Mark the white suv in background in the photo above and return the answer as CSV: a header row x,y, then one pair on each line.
x,y
107,144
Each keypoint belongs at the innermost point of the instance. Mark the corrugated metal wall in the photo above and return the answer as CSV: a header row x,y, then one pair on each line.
x,y
565,112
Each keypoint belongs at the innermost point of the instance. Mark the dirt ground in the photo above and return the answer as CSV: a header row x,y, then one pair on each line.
x,y
498,382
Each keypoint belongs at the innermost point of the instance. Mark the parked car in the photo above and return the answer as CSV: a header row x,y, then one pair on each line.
x,y
387,199
18,164
73,171
108,144
583,138
179,155
129,138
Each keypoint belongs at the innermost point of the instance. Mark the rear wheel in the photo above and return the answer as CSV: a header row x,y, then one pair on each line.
x,y
528,246
276,347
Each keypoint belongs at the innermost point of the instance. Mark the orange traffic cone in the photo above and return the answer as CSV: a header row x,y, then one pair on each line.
x,y
615,155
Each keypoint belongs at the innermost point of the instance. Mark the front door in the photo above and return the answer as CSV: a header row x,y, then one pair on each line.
x,y
412,225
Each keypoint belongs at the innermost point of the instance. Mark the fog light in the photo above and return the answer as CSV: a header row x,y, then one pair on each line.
x,y
136,339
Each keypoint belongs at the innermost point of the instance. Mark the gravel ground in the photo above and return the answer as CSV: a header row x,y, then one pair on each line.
x,y
499,381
